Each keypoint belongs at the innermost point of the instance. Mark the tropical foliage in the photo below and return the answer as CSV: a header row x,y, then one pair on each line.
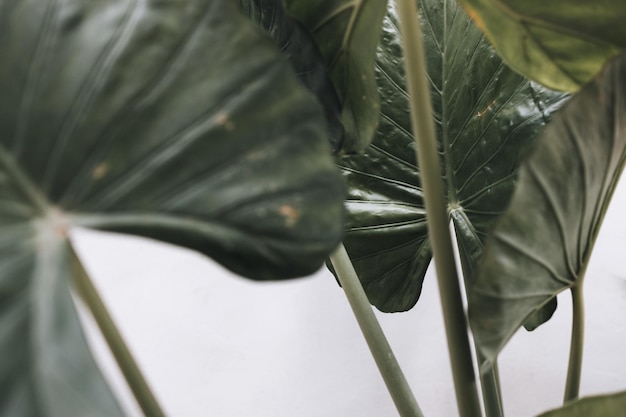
x,y
263,133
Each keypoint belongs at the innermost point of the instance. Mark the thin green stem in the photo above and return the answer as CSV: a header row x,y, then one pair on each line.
x,y
381,351
492,392
437,215
574,368
138,385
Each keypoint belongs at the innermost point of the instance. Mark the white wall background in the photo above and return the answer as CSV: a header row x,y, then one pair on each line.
x,y
213,344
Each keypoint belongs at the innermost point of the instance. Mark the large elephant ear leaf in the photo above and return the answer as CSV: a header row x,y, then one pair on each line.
x,y
486,118
599,406
559,44
347,33
542,244
177,121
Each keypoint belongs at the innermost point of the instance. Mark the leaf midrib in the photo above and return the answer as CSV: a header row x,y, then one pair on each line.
x,y
449,170
25,185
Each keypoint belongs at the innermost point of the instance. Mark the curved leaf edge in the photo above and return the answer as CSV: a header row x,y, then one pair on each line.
x,y
297,44
613,70
604,405
552,75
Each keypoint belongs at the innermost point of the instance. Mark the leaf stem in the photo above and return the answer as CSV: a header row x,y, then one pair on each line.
x,y
492,392
574,368
437,215
381,351
137,383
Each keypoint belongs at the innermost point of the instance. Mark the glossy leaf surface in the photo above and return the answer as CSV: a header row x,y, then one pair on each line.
x,y
599,406
561,44
347,33
542,244
300,48
486,117
172,120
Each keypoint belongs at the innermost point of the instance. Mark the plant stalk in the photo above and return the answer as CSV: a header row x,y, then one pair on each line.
x,y
492,392
137,383
574,367
437,215
397,385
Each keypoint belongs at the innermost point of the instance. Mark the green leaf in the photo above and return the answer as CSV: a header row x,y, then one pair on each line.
x,y
486,117
540,316
45,365
177,121
300,48
561,44
611,405
542,244
347,33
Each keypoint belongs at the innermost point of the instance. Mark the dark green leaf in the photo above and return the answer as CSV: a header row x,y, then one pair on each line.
x,y
486,117
561,44
612,405
347,32
541,316
299,46
542,244
172,120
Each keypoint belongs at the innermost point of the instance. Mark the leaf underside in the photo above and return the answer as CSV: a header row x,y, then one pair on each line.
x,y
300,48
347,33
486,118
611,405
177,121
542,244
561,45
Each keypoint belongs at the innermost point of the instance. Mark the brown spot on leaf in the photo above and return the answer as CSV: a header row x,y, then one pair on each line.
x,y
221,119
486,109
290,213
100,170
